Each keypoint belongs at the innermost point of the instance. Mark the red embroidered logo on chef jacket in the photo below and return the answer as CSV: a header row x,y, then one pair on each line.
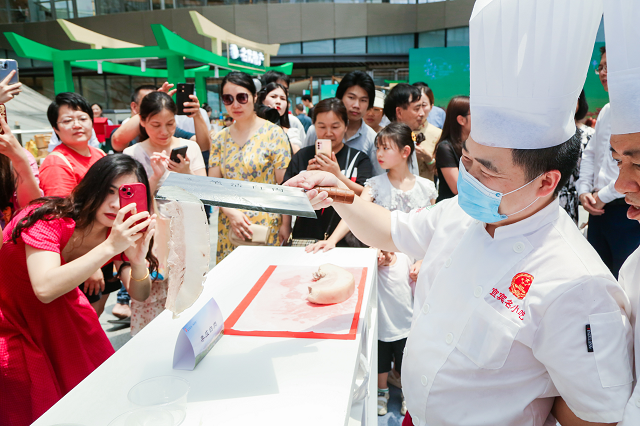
x,y
520,284
508,303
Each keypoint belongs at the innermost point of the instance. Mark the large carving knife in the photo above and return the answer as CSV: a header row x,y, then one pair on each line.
x,y
242,195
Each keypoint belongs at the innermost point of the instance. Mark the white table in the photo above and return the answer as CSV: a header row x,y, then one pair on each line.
x,y
244,380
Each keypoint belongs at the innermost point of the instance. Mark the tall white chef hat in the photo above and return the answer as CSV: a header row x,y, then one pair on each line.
x,y
529,62
621,18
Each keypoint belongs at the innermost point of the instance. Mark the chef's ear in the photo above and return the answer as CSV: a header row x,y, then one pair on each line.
x,y
548,182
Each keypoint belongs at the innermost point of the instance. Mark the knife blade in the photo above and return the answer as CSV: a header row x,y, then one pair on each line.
x,y
241,194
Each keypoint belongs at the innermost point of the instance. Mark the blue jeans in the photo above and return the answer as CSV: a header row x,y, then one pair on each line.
x,y
123,296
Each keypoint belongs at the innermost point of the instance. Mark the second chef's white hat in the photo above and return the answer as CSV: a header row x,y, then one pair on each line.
x,y
622,30
529,61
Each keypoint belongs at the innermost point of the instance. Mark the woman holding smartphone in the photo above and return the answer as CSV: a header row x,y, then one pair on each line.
x,y
351,166
157,126
251,149
51,336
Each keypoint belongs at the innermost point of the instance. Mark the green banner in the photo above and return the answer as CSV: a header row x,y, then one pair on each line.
x,y
446,71
328,91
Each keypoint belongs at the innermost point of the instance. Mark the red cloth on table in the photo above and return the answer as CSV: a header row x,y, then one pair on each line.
x,y
45,349
57,179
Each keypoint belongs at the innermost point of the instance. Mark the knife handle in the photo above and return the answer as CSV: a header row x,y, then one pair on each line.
x,y
344,196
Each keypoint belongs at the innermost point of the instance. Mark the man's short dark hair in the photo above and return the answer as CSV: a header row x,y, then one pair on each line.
x,y
306,98
563,157
136,92
300,107
274,77
603,50
583,107
73,101
357,78
401,96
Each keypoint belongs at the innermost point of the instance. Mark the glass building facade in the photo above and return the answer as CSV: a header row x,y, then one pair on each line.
x,y
13,11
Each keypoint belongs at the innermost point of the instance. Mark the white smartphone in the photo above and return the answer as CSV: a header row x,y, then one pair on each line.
x,y
323,146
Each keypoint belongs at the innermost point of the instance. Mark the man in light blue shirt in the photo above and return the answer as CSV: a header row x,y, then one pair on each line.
x,y
357,91
437,116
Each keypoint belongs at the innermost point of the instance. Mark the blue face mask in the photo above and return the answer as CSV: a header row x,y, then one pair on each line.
x,y
480,202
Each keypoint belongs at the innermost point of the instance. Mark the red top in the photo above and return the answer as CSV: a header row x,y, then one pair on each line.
x,y
57,178
45,349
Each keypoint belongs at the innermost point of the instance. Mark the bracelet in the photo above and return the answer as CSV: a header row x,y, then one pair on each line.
x,y
141,279
431,162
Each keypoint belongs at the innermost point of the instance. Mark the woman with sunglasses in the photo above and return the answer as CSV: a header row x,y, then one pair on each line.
x,y
251,149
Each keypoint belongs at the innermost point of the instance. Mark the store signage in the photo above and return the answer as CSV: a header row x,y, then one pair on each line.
x,y
244,56
198,336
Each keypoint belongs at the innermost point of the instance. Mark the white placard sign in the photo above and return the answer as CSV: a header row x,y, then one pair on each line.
x,y
198,336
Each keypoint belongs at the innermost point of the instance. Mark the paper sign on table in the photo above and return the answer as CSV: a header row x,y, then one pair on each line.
x,y
198,336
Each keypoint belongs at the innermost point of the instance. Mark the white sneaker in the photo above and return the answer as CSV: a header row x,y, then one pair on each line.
x,y
403,409
383,399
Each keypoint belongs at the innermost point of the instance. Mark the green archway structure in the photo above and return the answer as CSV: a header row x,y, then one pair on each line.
x,y
170,46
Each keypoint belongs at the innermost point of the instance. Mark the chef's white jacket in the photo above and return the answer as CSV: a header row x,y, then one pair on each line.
x,y
477,354
629,278
598,169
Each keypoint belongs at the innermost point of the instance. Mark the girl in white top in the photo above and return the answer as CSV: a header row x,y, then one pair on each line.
x,y
157,125
398,189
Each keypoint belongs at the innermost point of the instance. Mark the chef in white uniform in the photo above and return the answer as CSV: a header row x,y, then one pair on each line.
x,y
514,310
623,51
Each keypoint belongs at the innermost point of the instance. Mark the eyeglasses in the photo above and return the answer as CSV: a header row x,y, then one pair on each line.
x,y
242,98
68,122
601,69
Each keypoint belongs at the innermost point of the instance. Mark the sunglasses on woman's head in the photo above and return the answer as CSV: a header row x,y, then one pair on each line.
x,y
242,98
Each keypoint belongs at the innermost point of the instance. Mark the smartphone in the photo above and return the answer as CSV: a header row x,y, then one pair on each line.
x,y
6,66
134,193
182,150
323,146
182,96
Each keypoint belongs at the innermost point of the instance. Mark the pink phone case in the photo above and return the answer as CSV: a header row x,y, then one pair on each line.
x,y
323,146
134,193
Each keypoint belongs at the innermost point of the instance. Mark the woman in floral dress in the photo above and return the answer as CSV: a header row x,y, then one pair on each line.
x,y
251,149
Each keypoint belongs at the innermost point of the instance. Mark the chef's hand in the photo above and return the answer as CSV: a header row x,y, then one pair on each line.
x,y
326,164
94,284
309,180
592,204
239,222
324,245
181,167
415,270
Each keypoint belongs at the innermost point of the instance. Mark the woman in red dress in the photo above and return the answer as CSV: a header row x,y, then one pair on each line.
x,y
50,336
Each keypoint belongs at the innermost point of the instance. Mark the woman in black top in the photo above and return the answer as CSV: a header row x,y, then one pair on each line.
x,y
348,164
448,150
